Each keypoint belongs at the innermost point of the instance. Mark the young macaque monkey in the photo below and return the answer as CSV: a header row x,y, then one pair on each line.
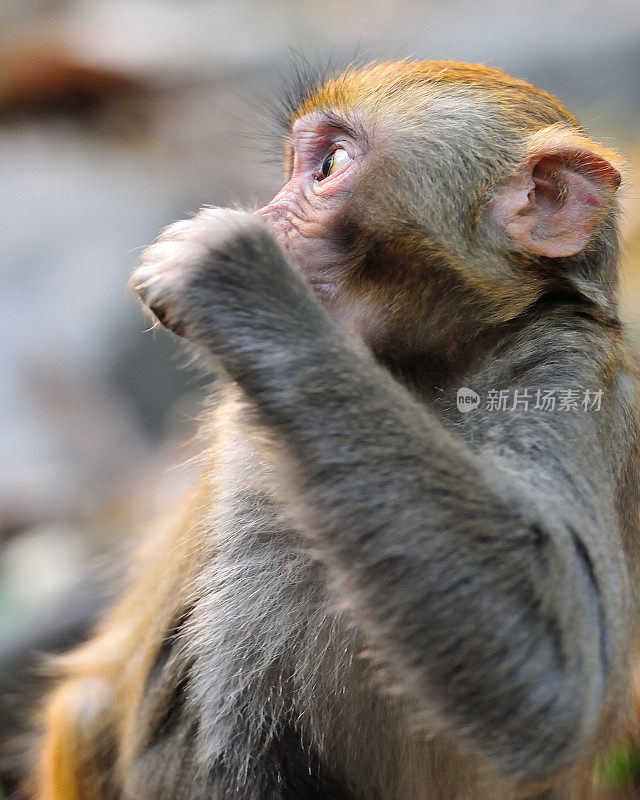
x,y
374,595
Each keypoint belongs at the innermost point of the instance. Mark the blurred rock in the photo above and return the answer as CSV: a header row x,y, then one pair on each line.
x,y
40,565
73,214
580,49
40,77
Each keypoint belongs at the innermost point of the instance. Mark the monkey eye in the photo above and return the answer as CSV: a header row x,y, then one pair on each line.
x,y
333,162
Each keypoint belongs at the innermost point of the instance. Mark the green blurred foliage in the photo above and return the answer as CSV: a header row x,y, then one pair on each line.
x,y
619,770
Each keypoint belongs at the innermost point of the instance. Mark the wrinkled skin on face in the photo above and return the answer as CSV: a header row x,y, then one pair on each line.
x,y
309,215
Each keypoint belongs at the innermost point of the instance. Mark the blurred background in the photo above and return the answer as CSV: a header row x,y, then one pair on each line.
x,y
119,116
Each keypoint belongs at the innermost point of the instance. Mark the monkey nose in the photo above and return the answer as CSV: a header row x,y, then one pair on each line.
x,y
273,208
278,207
273,212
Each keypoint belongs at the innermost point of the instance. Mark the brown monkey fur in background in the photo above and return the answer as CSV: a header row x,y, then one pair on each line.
x,y
370,594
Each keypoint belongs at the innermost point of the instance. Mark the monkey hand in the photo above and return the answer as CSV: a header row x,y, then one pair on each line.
x,y
221,277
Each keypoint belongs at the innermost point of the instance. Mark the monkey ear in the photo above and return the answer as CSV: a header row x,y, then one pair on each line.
x,y
552,206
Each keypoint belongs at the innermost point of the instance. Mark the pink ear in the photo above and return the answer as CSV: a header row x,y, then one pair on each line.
x,y
552,206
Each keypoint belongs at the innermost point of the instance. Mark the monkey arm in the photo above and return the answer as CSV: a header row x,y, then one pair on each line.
x,y
486,579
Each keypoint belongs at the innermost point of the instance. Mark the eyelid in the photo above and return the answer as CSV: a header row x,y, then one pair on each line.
x,y
331,124
315,137
339,144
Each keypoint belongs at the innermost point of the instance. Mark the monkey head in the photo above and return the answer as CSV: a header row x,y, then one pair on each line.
x,y
421,196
